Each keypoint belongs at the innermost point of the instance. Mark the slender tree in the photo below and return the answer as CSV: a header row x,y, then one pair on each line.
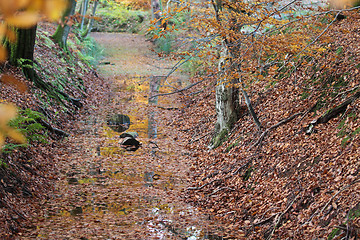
x,y
61,34
156,12
88,29
83,9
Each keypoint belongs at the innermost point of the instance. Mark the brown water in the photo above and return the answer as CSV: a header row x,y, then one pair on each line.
x,y
108,193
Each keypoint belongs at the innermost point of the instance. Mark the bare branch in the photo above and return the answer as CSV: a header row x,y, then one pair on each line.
x,y
178,91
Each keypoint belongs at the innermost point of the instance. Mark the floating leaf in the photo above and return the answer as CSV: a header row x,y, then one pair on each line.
x,y
11,80
21,4
3,29
23,19
8,112
53,9
10,35
16,135
7,8
3,53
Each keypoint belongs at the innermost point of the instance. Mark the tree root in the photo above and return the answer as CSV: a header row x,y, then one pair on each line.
x,y
52,129
286,120
332,113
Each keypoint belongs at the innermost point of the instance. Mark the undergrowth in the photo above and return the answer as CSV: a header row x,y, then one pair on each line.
x,y
118,17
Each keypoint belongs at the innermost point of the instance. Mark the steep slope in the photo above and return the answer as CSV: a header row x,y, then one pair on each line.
x,y
285,181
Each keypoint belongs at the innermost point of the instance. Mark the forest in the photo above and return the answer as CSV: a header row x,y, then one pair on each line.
x,y
180,119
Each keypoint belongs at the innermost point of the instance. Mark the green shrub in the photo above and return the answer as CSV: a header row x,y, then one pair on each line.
x,y
28,124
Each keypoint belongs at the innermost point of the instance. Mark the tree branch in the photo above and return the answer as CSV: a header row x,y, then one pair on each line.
x,y
178,91
286,120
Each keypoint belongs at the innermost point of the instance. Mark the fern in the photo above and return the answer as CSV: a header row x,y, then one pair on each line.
x,y
27,123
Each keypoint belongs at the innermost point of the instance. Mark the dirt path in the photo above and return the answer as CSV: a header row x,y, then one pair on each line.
x,y
108,193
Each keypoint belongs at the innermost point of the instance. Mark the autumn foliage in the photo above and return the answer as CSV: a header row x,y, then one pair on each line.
x,y
290,179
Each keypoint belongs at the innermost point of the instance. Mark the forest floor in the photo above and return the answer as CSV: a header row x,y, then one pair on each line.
x,y
105,192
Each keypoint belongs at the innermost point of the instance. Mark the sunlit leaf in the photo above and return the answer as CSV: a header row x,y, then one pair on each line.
x,y
3,53
10,35
53,9
8,112
7,7
23,19
11,80
3,29
16,135
21,4
36,5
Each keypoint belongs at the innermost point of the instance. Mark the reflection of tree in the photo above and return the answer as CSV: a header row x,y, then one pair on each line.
x,y
154,89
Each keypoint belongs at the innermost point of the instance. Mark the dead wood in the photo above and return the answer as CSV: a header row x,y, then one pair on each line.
x,y
279,216
52,129
333,113
284,121
177,91
251,109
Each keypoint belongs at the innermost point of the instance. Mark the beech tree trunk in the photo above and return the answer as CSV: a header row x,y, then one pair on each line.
x,y
61,34
22,52
83,10
156,12
227,100
91,20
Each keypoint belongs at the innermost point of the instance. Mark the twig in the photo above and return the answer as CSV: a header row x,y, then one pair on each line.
x,y
204,185
12,209
220,189
327,204
197,139
280,215
53,129
168,108
178,91
286,120
342,189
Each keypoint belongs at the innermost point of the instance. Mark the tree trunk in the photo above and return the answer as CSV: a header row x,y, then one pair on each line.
x,y
83,10
156,12
227,100
61,34
22,52
91,20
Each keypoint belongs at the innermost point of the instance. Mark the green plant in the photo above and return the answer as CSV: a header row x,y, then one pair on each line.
x,y
90,51
118,17
28,124
3,164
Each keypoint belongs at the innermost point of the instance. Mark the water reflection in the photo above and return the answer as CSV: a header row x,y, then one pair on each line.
x,y
135,190
154,83
118,122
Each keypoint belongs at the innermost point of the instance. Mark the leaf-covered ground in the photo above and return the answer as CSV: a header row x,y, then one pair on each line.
x,y
282,183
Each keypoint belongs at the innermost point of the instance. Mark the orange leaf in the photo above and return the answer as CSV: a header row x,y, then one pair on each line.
x,y
11,80
53,9
10,35
23,19
3,53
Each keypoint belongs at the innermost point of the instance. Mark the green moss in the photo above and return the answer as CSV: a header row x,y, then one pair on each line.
x,y
247,174
335,232
231,146
220,138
